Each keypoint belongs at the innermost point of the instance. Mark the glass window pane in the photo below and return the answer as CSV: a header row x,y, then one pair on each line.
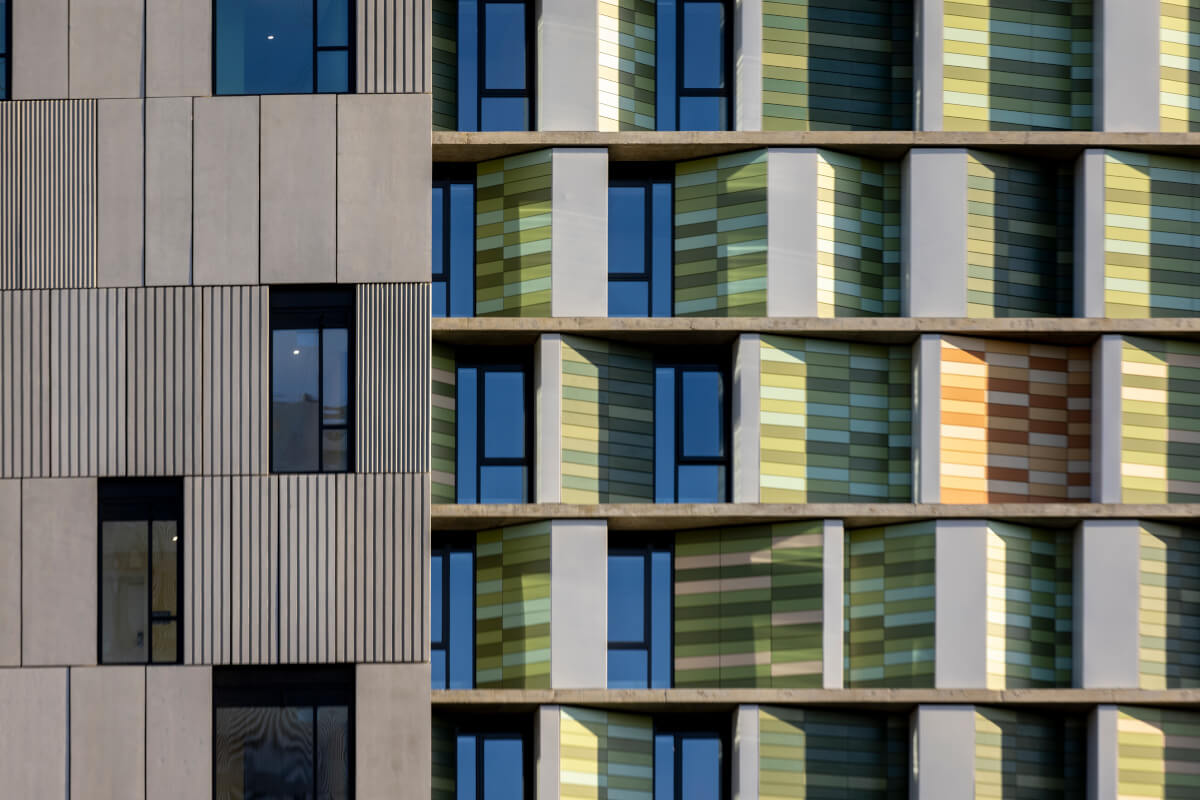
x,y
664,435
702,114
438,298
664,766
503,765
628,669
438,198
164,583
626,230
164,642
504,414
701,483
124,564
660,619
662,220
465,758
462,250
504,45
436,567
700,772
264,46
336,377
626,598
294,412
264,752
466,441
504,114
628,299
333,751
437,668
665,94
703,45
3,78
333,71
503,484
333,23
468,67
703,402
335,450
462,620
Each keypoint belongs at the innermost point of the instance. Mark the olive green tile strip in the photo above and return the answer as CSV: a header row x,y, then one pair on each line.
x,y
445,65
512,235
627,65
1027,756
604,755
1157,753
512,607
1179,70
1169,607
1160,421
444,420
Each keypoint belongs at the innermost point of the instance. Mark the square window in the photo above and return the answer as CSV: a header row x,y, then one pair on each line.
x,y
283,46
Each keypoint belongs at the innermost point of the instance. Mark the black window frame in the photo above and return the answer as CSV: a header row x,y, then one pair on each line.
x,y
682,361
499,359
646,544
444,177
496,726
319,307
696,726
443,544
136,500
6,50
283,686
726,63
529,93
351,50
645,175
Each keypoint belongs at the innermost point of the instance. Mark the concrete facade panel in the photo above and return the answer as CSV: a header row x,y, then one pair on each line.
x,y
945,744
178,48
928,46
746,751
547,751
568,78
108,733
120,193
579,235
1106,419
108,48
225,190
792,240
40,57
960,597
1089,234
1107,598
548,382
1103,755
747,393
392,723
169,191
747,66
578,604
33,733
1127,65
927,419
833,617
10,573
934,232
394,45
179,732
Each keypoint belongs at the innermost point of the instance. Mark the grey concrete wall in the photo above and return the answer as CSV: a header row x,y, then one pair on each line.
x,y
1126,47
747,65
934,233
960,600
547,382
928,46
298,200
107,48
1089,234
178,48
58,572
169,191
745,753
179,713
747,371
568,71
33,733
944,761
383,177
547,725
791,232
927,419
1106,419
39,54
108,733
391,730
225,190
1107,597
120,193
1102,754
833,618
10,573
579,235
578,604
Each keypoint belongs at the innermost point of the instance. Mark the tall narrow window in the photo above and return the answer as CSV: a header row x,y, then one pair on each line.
x,y
639,614
691,407
5,48
693,59
312,380
494,438
141,571
452,617
640,241
495,65
290,47
689,763
454,242
492,758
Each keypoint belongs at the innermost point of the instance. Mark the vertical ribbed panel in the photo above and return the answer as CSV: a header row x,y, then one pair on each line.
x,y
443,425
445,65
1169,616
392,366
1179,70
604,755
512,607
306,569
607,422
1020,248
1029,607
513,200
721,236
1157,753
1026,756
1016,65
627,64
48,194
890,606
1016,422
835,421
812,753
393,46
748,607
1160,421
445,772
837,65
858,236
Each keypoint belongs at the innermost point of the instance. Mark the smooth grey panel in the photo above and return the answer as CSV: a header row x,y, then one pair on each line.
x,y
1127,65
792,239
928,61
178,48
10,573
747,370
58,572
833,614
945,744
547,732
579,236
1107,598
39,55
394,45
578,604
1103,756
33,733
120,187
299,144
108,733
225,192
391,727
746,750
960,598
547,381
927,418
108,46
934,231
169,191
179,732
1107,377
383,177
1090,254
748,68
568,82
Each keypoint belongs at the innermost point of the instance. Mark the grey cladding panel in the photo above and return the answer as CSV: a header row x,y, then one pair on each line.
x,y
108,733
121,192
225,192
169,191
178,48
33,733
394,41
39,66
107,40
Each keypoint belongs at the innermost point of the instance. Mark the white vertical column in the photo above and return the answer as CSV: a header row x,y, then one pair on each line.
x,y
927,419
934,230
568,65
745,753
1106,419
547,379
579,604
833,617
747,65
960,602
579,235
943,760
547,754
1107,596
747,372
928,46
1126,48
1102,754
1089,234
792,232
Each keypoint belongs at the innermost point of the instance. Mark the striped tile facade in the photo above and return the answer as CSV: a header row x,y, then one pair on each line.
x,y
890,606
1150,243
627,64
721,236
835,421
1020,237
1016,65
607,422
814,754
1016,422
512,607
512,235
1160,421
1179,70
605,755
444,58
1169,611
1029,606
858,236
748,606
837,65
1027,756
1157,752
443,425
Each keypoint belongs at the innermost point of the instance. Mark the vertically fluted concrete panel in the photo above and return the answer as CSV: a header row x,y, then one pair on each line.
x,y
394,45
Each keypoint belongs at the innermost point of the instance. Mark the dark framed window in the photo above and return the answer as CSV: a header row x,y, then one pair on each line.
x,y
5,48
452,612
691,758
495,439
495,65
691,431
493,756
640,597
454,241
694,45
641,240
273,47
141,570
283,732
312,380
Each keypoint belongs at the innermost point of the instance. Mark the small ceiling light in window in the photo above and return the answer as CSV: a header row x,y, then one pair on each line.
x,y
295,352
174,538
270,37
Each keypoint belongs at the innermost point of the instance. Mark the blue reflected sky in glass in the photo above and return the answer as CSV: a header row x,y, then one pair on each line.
x,y
504,45
335,376
627,230
702,114
700,770
504,114
295,416
660,619
628,299
264,47
333,71
628,669
503,484
504,414
626,598
701,483
462,620
503,768
703,45
333,23
465,760
664,435
703,402
665,91
664,766
436,566
462,250
437,202
662,247
468,65
467,416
